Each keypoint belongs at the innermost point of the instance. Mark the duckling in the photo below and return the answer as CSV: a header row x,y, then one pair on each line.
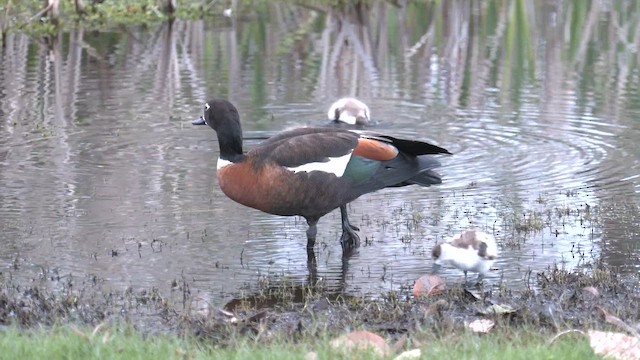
x,y
470,250
350,111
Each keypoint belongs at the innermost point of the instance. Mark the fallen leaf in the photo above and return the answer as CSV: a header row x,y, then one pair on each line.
x,y
199,306
435,308
474,294
591,290
409,354
226,313
79,333
428,285
497,309
614,320
311,355
481,325
617,346
257,317
361,340
402,341
180,352
225,316
106,336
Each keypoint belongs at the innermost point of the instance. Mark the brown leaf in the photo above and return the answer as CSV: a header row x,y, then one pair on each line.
x,y
614,320
311,355
497,309
257,317
402,341
409,355
199,306
416,343
476,295
481,325
428,285
591,290
226,316
435,308
361,340
180,352
617,346
106,336
79,333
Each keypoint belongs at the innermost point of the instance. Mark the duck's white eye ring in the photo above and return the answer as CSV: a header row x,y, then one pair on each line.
x,y
206,107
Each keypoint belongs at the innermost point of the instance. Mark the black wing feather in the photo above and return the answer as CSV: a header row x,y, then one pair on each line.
x,y
415,147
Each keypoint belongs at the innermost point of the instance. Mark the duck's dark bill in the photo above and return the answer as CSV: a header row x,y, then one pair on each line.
x,y
199,121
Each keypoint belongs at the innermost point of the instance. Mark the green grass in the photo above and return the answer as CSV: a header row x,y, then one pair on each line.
x,y
518,345
63,342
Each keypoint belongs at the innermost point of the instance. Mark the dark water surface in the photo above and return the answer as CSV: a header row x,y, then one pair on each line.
x,y
102,175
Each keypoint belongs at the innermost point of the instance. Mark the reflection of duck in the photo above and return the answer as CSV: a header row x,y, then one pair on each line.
x,y
350,111
468,251
310,171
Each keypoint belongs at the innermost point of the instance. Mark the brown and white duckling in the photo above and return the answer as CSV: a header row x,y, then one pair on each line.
x,y
470,250
350,111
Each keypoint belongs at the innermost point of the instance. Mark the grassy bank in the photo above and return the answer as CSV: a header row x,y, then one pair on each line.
x,y
285,320
116,343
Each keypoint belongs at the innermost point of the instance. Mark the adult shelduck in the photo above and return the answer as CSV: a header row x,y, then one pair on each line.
x,y
468,251
310,171
350,111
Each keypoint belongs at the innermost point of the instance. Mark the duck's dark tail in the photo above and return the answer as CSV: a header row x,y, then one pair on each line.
x,y
415,147
426,177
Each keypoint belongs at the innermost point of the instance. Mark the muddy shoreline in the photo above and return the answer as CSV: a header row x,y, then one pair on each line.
x,y
280,308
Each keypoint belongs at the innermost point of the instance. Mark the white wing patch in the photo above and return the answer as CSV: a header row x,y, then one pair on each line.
x,y
222,163
335,165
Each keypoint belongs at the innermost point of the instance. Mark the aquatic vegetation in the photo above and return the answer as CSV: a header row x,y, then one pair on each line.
x,y
29,16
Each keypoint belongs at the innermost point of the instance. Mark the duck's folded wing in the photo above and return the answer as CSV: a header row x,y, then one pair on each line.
x,y
306,146
366,162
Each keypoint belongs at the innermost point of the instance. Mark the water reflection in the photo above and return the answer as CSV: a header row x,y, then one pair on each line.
x,y
102,174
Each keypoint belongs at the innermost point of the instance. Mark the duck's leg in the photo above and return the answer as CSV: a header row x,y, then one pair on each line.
x,y
312,266
312,231
350,238
311,241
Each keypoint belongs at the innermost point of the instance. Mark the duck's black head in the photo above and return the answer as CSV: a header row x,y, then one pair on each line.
x,y
223,117
218,113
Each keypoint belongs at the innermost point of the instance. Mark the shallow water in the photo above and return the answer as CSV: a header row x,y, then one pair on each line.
x,y
102,175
